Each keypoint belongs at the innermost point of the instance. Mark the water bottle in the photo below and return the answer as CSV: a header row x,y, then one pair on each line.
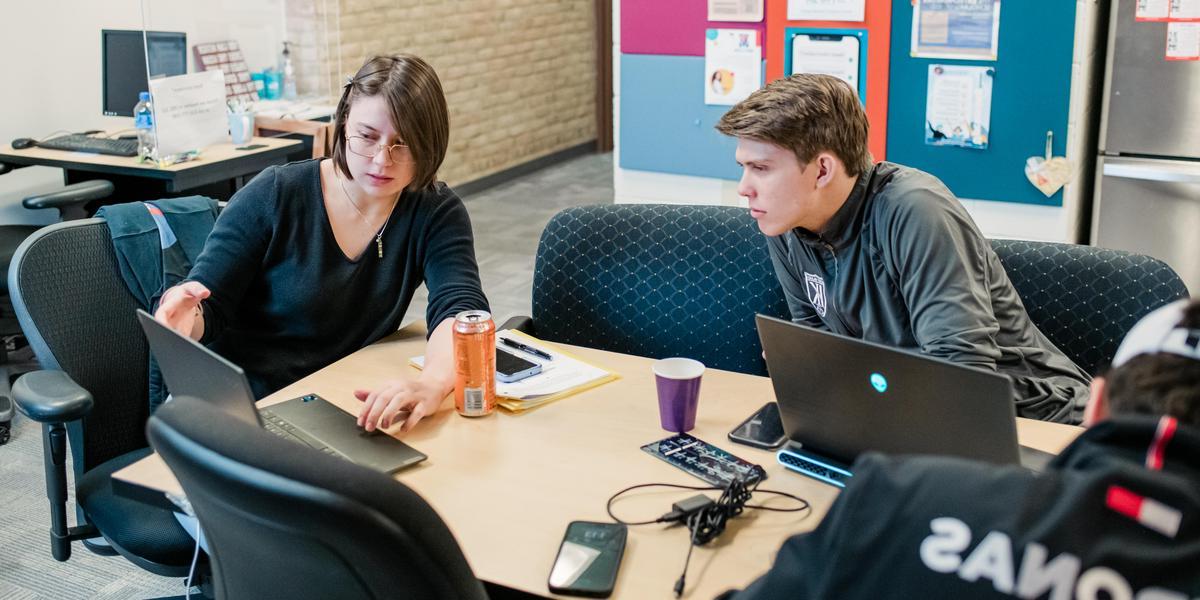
x,y
143,120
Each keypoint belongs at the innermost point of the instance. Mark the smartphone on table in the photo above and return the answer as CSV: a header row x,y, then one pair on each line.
x,y
511,368
588,559
762,430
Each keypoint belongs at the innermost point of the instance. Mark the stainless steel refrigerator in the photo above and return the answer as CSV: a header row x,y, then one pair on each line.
x,y
1148,170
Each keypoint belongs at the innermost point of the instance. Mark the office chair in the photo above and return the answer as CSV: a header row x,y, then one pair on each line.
x,y
656,280
281,520
1085,299
70,201
78,316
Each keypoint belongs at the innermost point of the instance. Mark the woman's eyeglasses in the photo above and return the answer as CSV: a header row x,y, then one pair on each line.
x,y
367,148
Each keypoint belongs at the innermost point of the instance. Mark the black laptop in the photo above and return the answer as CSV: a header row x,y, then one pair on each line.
x,y
839,397
190,369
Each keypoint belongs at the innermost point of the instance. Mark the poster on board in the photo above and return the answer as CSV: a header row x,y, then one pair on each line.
x,y
963,29
958,106
827,10
828,54
732,65
747,11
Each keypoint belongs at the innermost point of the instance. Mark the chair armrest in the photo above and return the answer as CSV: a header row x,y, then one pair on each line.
x,y
521,323
70,199
51,397
4,168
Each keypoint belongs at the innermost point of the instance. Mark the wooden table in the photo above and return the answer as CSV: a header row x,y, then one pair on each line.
x,y
134,180
507,485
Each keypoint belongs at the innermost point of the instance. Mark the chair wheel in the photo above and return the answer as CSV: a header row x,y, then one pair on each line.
x,y
5,432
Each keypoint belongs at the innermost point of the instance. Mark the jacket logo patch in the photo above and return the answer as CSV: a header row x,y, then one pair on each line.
x,y
815,286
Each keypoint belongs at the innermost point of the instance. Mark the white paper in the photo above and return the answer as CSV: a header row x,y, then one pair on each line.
x,y
958,106
1185,10
1151,10
749,11
826,10
835,55
732,65
189,112
560,373
1183,41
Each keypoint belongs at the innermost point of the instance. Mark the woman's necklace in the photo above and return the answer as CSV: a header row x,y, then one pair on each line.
x,y
378,236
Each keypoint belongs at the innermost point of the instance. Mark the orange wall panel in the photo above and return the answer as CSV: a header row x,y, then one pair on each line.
x,y
878,24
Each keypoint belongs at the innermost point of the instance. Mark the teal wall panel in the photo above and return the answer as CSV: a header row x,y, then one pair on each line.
x,y
1030,96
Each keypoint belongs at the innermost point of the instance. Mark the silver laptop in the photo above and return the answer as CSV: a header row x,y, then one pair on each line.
x,y
190,369
839,397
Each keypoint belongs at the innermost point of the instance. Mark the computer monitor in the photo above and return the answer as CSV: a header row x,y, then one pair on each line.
x,y
123,65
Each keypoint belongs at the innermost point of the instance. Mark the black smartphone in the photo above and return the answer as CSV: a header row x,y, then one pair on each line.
x,y
510,367
762,430
588,559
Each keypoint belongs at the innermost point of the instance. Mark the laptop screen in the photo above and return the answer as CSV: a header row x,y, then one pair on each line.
x,y
840,397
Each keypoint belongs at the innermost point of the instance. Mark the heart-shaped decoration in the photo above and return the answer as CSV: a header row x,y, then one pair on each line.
x,y
1048,176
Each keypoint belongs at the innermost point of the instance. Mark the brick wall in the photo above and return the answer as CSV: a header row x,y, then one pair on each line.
x,y
519,75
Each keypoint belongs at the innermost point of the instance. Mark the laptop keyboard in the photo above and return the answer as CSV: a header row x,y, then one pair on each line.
x,y
812,468
276,425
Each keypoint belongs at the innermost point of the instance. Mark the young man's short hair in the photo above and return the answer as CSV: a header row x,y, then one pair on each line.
x,y
418,106
807,114
1153,374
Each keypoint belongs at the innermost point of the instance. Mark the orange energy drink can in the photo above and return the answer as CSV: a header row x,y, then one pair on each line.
x,y
475,360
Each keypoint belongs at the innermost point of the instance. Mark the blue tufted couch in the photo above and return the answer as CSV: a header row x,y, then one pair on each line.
x,y
682,280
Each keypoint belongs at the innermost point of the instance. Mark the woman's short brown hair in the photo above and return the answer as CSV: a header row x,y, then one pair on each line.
x,y
807,114
414,95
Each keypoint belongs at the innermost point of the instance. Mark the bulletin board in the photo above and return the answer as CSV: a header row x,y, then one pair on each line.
x,y
1030,96
665,126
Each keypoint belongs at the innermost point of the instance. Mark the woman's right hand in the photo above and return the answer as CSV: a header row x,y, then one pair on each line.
x,y
180,309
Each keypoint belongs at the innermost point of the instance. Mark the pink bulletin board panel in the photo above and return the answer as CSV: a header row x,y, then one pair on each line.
x,y
673,27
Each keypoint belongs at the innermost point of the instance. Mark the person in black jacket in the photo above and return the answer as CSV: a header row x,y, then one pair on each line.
x,y
1116,515
316,259
884,252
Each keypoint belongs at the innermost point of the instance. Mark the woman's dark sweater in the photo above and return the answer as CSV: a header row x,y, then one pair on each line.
x,y
286,301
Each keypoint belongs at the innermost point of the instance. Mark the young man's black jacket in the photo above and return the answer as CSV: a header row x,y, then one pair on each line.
x,y
1118,512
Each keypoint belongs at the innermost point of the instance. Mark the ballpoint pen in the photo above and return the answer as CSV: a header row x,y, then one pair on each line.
x,y
526,348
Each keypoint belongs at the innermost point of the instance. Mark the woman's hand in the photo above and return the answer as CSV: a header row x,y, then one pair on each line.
x,y
400,400
180,309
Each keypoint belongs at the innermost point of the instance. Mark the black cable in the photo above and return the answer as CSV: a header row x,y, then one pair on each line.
x,y
707,522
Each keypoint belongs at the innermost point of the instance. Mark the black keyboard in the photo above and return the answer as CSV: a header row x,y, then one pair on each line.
x,y
97,145
813,468
276,425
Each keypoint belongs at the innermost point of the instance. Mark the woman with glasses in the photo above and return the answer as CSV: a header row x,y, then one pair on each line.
x,y
315,259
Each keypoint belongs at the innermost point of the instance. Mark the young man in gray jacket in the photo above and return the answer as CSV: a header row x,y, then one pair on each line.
x,y
883,252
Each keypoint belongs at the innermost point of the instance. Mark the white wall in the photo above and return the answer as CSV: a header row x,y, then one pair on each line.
x,y
48,87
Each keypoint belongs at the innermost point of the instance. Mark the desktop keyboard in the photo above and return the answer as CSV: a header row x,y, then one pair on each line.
x,y
276,425
97,145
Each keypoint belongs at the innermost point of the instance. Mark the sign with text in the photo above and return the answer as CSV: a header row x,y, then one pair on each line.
x,y
189,112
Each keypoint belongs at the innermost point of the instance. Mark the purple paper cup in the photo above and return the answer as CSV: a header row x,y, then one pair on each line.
x,y
678,381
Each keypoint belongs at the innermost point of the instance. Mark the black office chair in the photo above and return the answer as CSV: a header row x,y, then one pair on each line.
x,y
70,202
656,280
1085,299
285,521
79,318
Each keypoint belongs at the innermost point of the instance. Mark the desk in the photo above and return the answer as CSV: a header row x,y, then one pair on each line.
x,y
137,181
507,485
